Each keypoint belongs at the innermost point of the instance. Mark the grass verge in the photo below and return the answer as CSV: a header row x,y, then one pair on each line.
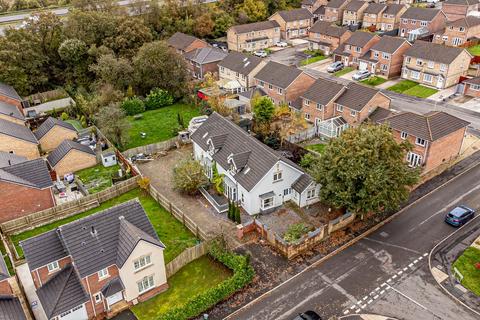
x,y
465,264
343,71
412,88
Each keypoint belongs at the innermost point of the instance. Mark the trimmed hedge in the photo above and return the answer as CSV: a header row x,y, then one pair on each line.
x,y
243,273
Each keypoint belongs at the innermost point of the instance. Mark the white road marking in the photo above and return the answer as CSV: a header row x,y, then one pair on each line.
x,y
352,307
358,310
363,306
369,301
365,298
415,261
375,297
381,292
425,254
400,272
377,288
420,258
394,276
383,284
405,269
346,311
389,280
410,265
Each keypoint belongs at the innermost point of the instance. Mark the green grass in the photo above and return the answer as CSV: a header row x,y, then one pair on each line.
x,y
466,265
158,124
6,258
402,86
374,81
475,50
312,60
171,232
316,147
97,178
196,277
343,71
412,88
77,125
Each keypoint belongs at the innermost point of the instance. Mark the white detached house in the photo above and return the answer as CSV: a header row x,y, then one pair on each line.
x,y
255,176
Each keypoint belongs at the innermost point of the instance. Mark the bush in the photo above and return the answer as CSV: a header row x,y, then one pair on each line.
x,y
64,116
295,232
188,176
158,98
243,273
133,106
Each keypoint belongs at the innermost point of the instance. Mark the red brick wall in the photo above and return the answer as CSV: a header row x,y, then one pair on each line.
x,y
470,92
152,293
41,275
94,285
197,44
5,288
444,149
18,201
435,25
299,86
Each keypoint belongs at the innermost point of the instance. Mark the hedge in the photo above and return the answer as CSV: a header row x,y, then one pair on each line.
x,y
243,273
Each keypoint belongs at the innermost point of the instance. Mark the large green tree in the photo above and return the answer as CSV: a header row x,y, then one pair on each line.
x,y
364,170
263,109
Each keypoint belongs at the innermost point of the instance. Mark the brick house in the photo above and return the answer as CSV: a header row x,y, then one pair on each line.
x,y
51,133
9,95
71,156
420,22
390,18
312,5
435,65
332,107
283,84
457,9
353,13
458,32
355,47
253,36
237,71
184,43
10,305
319,14
11,113
436,137
372,16
334,10
293,23
204,60
326,36
471,87
97,266
25,187
18,139
385,58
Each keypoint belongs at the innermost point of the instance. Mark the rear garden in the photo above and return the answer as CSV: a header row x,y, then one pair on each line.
x,y
319,147
412,88
475,50
468,264
97,178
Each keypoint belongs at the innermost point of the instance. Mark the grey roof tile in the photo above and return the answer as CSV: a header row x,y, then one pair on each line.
x,y
295,14
467,22
360,38
302,183
475,80
433,52
255,26
48,125
113,286
388,44
329,29
240,62
379,114
320,11
43,249
32,173
4,273
356,96
422,14
11,308
336,3
394,8
323,91
462,2
355,5
278,74
66,146
375,8
11,110
205,55
249,94
8,91
17,131
8,159
181,40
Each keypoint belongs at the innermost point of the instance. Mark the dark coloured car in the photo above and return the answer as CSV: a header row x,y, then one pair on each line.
x,y
459,216
308,315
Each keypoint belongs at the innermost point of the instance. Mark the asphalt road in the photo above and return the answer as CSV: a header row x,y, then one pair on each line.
x,y
386,272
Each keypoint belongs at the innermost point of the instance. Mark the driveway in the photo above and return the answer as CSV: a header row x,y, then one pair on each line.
x,y
290,56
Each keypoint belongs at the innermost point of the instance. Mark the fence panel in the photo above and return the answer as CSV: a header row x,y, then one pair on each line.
x,y
152,148
302,135
184,258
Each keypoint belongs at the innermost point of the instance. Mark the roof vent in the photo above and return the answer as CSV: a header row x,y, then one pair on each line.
x,y
93,231
121,218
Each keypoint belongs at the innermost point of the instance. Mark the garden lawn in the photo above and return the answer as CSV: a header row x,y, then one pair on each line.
x,y
159,124
475,50
6,258
75,123
402,86
412,88
466,265
312,60
171,232
97,178
343,71
316,147
374,81
196,277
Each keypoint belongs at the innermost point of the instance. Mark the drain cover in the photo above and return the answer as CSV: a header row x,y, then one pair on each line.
x,y
384,234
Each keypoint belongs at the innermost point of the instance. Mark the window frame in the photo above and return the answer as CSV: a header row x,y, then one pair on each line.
x,y
277,176
403,135
139,260
420,142
55,266
149,287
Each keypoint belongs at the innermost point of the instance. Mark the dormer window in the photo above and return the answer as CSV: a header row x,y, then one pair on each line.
x,y
102,274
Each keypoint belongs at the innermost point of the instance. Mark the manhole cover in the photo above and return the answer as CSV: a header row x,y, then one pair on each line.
x,y
384,234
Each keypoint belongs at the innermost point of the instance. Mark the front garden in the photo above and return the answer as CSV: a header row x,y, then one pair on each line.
x,y
468,264
412,88
343,71
314,56
475,50
374,81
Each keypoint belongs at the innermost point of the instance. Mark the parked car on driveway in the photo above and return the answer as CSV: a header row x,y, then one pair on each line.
x,y
360,75
308,315
260,53
336,66
459,216
282,44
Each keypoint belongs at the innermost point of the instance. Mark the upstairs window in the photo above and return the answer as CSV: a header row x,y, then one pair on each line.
x,y
103,273
277,176
52,266
421,142
403,135
142,262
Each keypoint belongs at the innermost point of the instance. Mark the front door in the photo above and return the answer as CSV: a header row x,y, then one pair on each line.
x,y
362,66
440,82
117,297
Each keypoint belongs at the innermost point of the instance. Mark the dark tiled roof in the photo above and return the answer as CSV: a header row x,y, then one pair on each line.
x,y
388,44
360,38
278,74
475,80
355,5
62,292
181,41
329,29
431,126
302,183
17,130
308,2
256,26
61,151
48,125
335,3
4,274
320,11
295,14
113,286
467,22
11,308
43,249
356,96
33,173
379,114
423,14
260,160
394,8
323,91
433,52
252,92
240,62
205,55
462,2
375,8
8,159
11,110
9,91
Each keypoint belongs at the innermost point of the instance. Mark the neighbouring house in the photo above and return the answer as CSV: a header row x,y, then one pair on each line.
x,y
332,107
204,60
334,10
459,32
293,23
236,71
71,156
312,5
97,266
355,47
283,84
11,113
319,14
253,36
10,306
9,95
326,36
255,176
385,58
184,43
390,18
247,96
18,139
372,16
435,65
25,187
353,13
471,87
457,9
421,22
52,132
436,137
7,159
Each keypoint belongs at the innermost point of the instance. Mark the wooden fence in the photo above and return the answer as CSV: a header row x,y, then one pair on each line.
x,y
303,135
184,258
40,218
152,148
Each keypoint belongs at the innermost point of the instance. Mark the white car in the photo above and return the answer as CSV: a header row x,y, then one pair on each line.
x,y
282,44
360,75
260,53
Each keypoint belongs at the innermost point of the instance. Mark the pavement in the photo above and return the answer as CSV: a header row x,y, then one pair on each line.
x,y
23,274
385,273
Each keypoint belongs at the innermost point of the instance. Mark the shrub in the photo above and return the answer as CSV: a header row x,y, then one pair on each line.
x,y
133,106
295,232
188,176
64,116
158,98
